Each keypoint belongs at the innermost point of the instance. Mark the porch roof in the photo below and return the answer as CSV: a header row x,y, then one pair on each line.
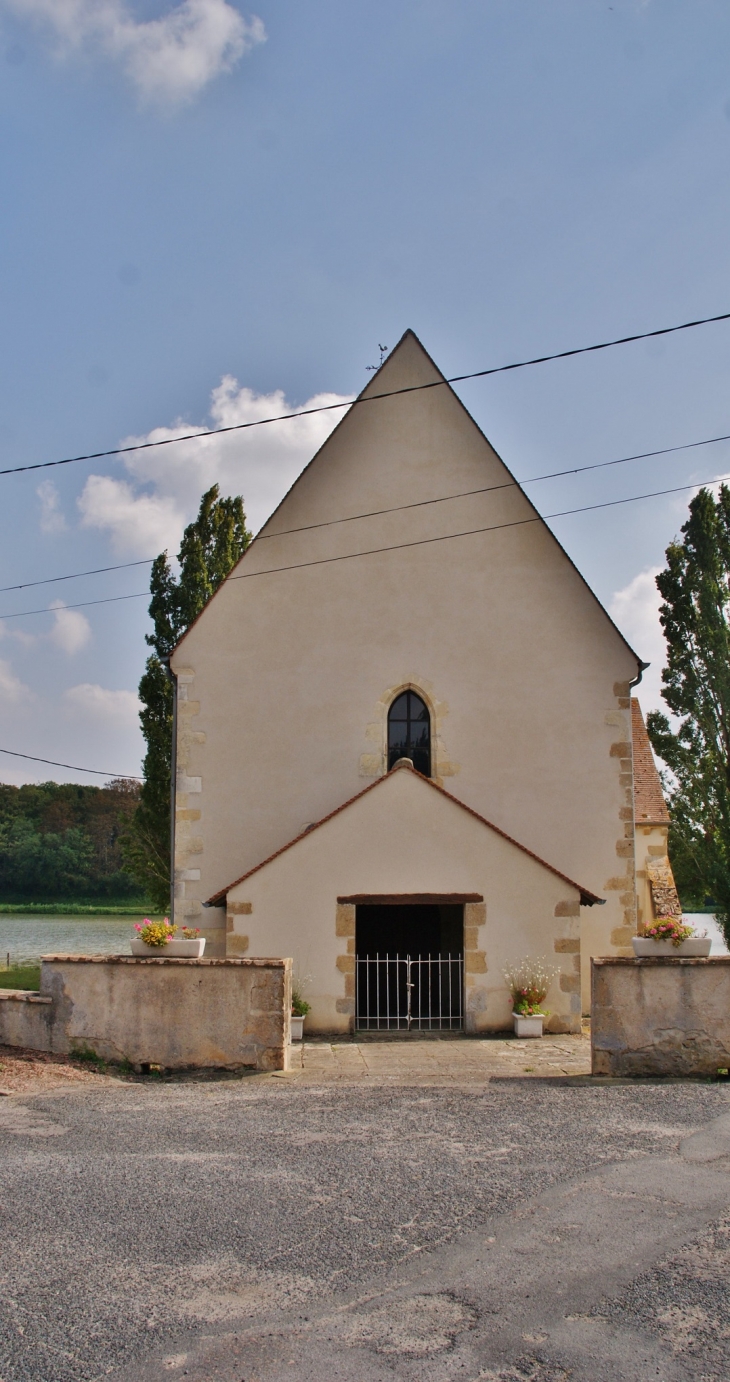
x,y
587,898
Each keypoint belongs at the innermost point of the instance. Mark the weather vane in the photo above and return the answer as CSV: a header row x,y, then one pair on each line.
x,y
383,350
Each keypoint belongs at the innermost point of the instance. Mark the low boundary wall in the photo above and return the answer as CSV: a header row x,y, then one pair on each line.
x,y
660,1016
178,1014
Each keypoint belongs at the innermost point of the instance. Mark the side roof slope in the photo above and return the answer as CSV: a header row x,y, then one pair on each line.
x,y
588,899
650,808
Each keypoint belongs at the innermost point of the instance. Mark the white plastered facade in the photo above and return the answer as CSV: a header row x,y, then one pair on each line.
x,y
285,680
407,838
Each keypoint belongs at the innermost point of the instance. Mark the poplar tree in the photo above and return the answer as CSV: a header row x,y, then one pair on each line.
x,y
695,616
210,547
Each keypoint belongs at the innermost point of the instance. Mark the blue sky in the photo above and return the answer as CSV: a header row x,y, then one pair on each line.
x,y
209,213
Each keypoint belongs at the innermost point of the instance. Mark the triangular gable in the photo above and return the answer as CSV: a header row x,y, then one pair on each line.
x,y
373,391
588,899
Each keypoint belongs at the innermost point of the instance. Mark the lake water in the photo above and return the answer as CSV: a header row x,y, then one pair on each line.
x,y
704,921
27,937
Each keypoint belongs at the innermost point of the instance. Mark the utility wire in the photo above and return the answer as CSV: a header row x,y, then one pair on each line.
x,y
82,604
369,398
376,513
71,766
471,532
398,546
98,571
323,561
488,489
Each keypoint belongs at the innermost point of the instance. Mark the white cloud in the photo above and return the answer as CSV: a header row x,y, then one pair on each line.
x,y
71,630
8,630
139,523
117,708
169,59
260,463
12,690
52,520
635,610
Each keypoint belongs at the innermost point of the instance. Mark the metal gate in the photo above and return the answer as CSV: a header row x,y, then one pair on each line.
x,y
405,993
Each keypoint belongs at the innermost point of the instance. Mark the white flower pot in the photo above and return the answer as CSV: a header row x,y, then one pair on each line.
x,y
297,1028
696,946
174,950
528,1026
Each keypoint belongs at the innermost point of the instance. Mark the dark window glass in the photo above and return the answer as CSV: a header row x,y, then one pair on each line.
x,y
409,732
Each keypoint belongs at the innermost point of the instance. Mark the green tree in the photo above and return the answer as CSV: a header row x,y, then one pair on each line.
x,y
695,616
61,862
210,547
62,840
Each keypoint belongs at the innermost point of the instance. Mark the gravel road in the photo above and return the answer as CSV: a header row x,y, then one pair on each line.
x,y
141,1218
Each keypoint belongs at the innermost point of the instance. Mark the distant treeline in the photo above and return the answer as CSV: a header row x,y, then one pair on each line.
x,y
61,841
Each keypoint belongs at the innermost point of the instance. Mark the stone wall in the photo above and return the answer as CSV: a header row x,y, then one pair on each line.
x,y
661,1016
177,1014
25,1019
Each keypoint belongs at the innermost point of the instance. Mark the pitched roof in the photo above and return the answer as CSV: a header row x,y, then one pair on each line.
x,y
369,394
588,899
650,807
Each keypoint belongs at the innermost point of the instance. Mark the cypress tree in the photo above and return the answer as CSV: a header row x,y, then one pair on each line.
x,y
210,547
695,616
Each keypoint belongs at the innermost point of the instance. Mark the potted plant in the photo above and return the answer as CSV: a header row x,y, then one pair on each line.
x,y
299,1009
670,936
157,938
528,985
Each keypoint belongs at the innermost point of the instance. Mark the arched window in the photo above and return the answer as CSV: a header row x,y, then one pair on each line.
x,y
409,732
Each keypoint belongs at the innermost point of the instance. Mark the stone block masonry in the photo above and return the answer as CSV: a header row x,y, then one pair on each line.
x,y
177,1014
660,1016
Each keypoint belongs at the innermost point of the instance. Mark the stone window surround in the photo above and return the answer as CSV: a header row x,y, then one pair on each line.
x,y
389,699
376,764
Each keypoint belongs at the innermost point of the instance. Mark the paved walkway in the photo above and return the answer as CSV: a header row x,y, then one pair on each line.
x,y
466,1060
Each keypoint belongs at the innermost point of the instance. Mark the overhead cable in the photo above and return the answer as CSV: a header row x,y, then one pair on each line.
x,y
72,767
398,546
472,532
376,513
369,398
82,604
488,489
97,571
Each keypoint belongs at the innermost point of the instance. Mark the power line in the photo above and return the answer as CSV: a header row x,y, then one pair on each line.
x,y
348,556
370,398
398,546
82,604
98,571
73,767
377,513
471,532
488,489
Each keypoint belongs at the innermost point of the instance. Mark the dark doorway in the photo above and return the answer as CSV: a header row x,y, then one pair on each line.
x,y
410,961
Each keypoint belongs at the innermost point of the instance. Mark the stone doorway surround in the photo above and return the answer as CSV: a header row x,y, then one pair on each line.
x,y
475,959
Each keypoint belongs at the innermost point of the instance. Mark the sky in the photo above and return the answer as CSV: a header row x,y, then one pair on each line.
x,y
211,214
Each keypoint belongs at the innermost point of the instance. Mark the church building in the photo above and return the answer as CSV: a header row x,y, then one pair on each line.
x,y
404,734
